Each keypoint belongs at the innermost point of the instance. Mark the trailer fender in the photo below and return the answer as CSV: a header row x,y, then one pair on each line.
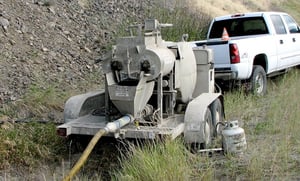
x,y
194,123
83,104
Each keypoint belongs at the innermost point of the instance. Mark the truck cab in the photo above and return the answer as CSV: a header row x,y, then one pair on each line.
x,y
260,45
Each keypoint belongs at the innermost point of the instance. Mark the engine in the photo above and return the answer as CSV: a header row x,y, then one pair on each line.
x,y
145,74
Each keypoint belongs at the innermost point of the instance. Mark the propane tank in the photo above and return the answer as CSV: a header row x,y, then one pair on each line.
x,y
233,138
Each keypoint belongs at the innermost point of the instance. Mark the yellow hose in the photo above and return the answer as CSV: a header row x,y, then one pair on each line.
x,y
85,154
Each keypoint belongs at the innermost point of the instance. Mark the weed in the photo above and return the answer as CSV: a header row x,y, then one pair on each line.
x,y
272,153
166,161
36,102
29,144
270,122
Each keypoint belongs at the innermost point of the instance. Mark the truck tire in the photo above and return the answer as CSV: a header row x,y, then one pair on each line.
x,y
258,81
217,113
208,130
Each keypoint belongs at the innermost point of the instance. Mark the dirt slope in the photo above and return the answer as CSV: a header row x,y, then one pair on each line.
x,y
56,41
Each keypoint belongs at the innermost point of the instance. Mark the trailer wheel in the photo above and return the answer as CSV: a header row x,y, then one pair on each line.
x,y
258,81
208,130
217,113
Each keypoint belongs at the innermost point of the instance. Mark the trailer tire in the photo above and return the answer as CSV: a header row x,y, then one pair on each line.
x,y
208,130
258,81
217,113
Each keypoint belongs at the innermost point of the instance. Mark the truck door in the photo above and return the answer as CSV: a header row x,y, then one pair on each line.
x,y
294,38
283,43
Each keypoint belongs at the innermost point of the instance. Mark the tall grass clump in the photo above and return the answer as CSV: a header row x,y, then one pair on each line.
x,y
29,145
162,161
24,141
185,17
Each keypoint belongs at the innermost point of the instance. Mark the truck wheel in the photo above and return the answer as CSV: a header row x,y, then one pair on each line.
x,y
258,81
217,114
208,130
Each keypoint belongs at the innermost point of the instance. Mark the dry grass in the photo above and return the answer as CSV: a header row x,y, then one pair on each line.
x,y
271,124
219,8
84,3
272,132
164,161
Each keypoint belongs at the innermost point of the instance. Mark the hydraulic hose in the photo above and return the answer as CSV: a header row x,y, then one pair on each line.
x,y
85,154
111,127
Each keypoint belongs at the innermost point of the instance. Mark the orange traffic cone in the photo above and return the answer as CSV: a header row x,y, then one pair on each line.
x,y
225,35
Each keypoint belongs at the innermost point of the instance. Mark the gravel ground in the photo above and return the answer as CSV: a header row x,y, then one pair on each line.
x,y
56,42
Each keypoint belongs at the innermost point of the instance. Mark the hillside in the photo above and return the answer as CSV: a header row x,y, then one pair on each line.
x,y
52,44
48,48
218,8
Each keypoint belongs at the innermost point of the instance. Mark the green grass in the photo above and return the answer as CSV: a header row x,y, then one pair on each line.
x,y
37,102
29,144
185,19
271,128
165,161
184,16
271,124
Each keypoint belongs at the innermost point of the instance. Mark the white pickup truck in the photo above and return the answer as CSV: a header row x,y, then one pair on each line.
x,y
256,45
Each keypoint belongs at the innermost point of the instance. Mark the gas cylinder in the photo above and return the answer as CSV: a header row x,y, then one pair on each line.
x,y
233,138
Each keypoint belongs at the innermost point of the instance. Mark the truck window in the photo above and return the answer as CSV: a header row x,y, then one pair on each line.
x,y
278,24
292,25
239,27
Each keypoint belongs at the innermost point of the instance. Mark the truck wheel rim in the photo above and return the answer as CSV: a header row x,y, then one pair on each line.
x,y
259,83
